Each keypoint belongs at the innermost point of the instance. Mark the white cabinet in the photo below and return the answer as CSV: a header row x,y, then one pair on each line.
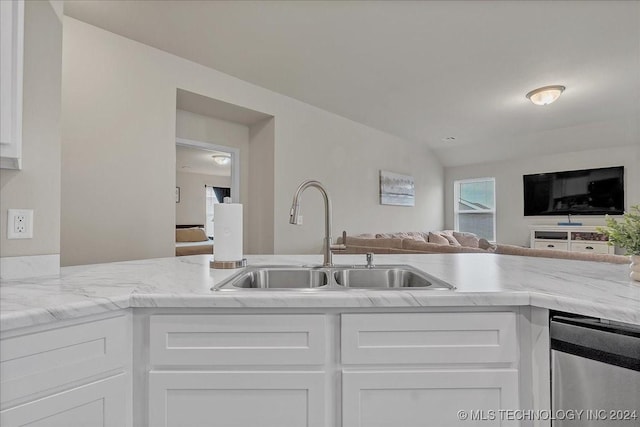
x,y
317,370
72,375
414,369
428,338
243,370
426,397
97,404
40,361
237,339
11,58
239,399
576,238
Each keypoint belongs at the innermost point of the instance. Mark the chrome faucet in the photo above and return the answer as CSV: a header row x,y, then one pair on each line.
x,y
295,207
370,260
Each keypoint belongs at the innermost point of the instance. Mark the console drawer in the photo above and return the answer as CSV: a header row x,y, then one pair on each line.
x,y
590,247
428,338
551,244
237,339
40,361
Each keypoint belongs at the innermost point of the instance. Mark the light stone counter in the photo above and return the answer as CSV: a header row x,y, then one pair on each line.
x,y
588,288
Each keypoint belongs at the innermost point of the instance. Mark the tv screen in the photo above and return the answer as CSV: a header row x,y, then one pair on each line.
x,y
581,192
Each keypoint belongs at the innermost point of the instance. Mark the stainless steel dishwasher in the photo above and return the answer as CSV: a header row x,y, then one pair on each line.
x,y
595,373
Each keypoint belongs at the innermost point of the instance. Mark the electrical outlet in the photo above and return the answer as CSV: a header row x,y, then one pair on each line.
x,y
20,224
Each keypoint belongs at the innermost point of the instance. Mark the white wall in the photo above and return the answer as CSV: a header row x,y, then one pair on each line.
x,y
260,211
37,185
192,208
512,225
119,106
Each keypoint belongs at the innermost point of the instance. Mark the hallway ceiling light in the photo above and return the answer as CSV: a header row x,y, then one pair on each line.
x,y
545,95
222,160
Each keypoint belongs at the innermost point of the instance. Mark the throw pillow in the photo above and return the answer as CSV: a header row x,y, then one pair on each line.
x,y
485,244
417,236
452,240
383,236
437,239
468,240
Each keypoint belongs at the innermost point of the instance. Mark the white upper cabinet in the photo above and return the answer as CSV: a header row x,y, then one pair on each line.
x,y
11,53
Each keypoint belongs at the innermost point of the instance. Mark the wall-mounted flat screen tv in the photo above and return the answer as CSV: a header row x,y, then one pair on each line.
x,y
580,192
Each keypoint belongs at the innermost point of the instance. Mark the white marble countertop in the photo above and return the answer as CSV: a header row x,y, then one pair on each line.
x,y
589,288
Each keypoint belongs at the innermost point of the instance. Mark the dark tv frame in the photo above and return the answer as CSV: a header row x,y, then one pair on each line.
x,y
572,213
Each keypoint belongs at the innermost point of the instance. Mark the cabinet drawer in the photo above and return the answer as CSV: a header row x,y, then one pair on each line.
x,y
39,361
551,244
237,339
590,247
237,398
428,338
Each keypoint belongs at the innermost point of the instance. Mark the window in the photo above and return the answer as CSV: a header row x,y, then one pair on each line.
x,y
213,195
211,200
474,208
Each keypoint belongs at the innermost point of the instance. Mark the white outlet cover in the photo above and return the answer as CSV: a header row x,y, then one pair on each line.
x,y
12,215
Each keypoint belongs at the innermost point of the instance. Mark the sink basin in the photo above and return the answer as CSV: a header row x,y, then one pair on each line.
x,y
277,278
388,277
335,278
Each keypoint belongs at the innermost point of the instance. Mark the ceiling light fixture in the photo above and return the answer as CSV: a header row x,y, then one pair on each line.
x,y
222,160
545,95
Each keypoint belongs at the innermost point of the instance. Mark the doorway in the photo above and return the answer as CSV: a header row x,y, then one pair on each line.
x,y
206,174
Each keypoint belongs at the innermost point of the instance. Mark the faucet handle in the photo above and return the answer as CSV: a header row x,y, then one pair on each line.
x,y
370,263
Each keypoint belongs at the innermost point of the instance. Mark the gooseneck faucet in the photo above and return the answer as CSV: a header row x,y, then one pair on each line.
x,y
295,208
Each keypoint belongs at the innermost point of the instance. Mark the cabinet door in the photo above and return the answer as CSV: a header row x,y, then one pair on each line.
x,y
41,361
427,398
11,58
239,399
98,404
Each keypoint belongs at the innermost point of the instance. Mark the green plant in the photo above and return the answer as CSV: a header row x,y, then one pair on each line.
x,y
624,233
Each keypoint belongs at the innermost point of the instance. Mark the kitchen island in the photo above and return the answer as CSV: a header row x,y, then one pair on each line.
x,y
153,345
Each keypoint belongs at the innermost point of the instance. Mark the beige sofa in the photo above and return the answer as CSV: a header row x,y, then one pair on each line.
x,y
419,243
192,241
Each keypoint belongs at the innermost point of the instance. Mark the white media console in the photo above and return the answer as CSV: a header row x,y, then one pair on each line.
x,y
571,238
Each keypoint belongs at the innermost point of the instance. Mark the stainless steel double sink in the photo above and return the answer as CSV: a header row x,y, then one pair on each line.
x,y
331,278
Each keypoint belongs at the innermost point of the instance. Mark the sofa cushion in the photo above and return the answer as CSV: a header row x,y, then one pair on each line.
x,y
437,239
191,235
428,247
418,236
452,240
468,240
485,244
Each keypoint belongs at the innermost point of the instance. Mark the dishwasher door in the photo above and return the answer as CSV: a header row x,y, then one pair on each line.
x,y
596,370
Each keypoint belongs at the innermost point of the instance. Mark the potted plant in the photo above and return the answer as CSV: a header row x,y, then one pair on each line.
x,y
625,233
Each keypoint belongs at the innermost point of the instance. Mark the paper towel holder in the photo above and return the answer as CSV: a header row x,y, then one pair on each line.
x,y
228,264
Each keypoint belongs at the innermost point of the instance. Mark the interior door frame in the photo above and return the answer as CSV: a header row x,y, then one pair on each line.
x,y
235,161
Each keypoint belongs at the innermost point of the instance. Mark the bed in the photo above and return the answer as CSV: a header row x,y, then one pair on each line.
x,y
191,239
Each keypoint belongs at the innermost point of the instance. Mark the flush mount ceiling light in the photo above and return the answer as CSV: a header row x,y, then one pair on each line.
x,y
222,160
545,95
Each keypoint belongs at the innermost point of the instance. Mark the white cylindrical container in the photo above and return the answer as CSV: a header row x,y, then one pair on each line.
x,y
227,231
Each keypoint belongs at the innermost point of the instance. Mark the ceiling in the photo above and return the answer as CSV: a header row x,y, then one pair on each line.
x,y
197,160
424,71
